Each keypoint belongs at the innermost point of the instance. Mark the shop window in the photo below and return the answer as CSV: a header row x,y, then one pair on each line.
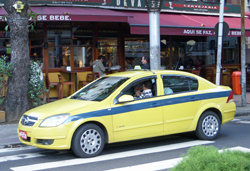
x,y
168,51
57,37
108,49
36,54
36,40
83,56
59,41
82,37
83,47
36,37
59,57
135,49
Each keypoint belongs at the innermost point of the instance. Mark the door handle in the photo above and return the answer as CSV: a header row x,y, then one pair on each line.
x,y
194,99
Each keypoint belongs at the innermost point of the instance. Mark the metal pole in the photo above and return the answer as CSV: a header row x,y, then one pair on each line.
x,y
219,47
243,55
154,37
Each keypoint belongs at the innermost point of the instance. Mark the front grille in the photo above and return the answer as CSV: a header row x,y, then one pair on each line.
x,y
28,120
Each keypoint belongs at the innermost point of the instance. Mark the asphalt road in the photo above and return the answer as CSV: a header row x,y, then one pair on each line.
x,y
150,154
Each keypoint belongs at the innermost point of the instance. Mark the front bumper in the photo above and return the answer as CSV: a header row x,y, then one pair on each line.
x,y
57,138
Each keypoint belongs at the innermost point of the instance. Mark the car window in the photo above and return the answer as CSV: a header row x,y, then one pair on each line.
x,y
100,89
132,88
178,84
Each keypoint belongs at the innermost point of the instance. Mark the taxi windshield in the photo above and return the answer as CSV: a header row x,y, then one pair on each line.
x,y
100,89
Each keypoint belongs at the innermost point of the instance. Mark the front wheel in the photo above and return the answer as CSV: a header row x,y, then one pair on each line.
x,y
208,126
88,141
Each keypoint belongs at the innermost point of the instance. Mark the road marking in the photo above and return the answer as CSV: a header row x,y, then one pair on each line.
x,y
20,156
161,165
64,163
6,150
165,164
243,122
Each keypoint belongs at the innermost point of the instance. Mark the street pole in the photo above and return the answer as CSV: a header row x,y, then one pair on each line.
x,y
154,38
243,55
154,8
219,46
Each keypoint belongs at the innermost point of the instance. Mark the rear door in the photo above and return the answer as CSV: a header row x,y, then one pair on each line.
x,y
181,103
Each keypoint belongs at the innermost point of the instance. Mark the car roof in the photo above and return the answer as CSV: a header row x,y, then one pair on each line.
x,y
132,73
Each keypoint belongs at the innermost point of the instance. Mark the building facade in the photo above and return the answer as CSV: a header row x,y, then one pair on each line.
x,y
75,32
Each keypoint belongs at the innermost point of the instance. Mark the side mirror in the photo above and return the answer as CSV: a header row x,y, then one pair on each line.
x,y
125,98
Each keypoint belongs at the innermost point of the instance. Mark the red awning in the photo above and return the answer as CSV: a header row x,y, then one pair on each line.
x,y
46,13
184,24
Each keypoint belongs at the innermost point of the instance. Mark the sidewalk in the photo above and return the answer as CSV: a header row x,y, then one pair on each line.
x,y
239,109
8,132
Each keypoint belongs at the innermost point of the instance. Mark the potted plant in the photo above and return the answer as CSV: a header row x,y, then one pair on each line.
x,y
5,72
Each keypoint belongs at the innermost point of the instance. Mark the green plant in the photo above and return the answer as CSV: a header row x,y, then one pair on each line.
x,y
37,91
5,72
209,158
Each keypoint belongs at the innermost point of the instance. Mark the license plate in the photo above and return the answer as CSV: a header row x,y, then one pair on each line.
x,y
23,134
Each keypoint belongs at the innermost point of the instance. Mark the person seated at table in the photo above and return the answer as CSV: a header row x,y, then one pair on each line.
x,y
128,64
190,64
199,64
98,66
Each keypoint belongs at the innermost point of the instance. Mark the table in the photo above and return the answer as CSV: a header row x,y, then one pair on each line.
x,y
73,72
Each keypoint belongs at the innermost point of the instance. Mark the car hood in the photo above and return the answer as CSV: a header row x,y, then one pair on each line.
x,y
61,107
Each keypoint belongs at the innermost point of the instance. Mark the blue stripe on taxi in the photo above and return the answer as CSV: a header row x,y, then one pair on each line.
x,y
146,105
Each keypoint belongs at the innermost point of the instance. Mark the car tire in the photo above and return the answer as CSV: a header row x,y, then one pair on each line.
x,y
208,127
88,141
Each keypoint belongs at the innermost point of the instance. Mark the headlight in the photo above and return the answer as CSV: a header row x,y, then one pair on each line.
x,y
54,120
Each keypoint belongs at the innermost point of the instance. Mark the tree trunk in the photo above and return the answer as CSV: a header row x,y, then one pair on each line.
x,y
17,100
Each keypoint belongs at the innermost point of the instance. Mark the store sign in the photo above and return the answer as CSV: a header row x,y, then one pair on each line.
x,y
200,32
193,7
54,18
133,4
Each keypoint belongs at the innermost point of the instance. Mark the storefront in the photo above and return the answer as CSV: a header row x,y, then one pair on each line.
x,y
75,36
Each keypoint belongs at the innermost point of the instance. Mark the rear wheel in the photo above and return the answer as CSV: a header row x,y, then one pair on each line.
x,y
208,127
88,141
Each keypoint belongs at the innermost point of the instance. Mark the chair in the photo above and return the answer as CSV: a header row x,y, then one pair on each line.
x,y
70,83
90,77
210,75
197,72
48,84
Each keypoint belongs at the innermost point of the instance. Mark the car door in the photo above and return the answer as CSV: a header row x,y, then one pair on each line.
x,y
181,103
139,118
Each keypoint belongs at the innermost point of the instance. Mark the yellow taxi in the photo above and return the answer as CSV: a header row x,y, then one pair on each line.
x,y
127,106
